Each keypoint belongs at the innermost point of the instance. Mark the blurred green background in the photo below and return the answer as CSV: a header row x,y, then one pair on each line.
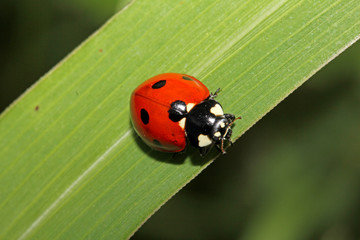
x,y
294,175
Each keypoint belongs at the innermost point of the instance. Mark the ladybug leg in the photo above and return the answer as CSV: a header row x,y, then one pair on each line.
x,y
230,117
228,132
214,95
218,146
221,149
205,150
222,146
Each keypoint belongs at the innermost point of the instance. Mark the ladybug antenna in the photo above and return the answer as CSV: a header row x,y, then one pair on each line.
x,y
226,132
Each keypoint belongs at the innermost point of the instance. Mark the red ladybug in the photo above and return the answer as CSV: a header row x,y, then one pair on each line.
x,y
171,109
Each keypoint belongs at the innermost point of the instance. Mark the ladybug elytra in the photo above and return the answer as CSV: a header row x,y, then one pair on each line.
x,y
171,109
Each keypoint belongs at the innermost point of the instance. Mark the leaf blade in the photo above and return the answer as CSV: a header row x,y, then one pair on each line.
x,y
78,123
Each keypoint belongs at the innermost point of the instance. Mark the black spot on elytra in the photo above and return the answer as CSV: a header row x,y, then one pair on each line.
x,y
159,84
187,78
144,116
156,142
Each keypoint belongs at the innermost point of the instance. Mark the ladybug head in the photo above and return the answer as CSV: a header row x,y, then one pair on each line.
x,y
221,130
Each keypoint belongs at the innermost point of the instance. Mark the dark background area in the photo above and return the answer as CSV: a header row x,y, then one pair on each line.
x,y
294,175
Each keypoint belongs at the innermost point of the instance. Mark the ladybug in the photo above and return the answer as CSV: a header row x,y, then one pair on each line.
x,y
171,110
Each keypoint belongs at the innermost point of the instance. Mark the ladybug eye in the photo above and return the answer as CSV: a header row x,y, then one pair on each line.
x,y
144,116
159,84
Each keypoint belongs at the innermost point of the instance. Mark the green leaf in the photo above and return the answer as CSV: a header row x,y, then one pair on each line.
x,y
71,166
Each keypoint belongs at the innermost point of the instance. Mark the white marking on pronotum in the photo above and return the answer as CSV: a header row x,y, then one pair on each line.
x,y
182,123
204,140
217,110
222,124
68,190
189,106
